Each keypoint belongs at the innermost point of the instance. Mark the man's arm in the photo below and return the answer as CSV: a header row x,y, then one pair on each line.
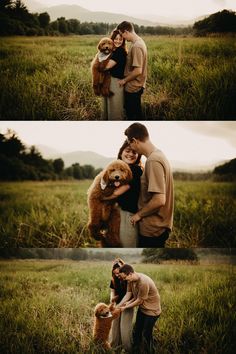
x,y
126,298
133,303
134,73
155,203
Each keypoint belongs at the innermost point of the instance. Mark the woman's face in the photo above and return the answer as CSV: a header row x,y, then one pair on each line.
x,y
118,40
129,156
116,272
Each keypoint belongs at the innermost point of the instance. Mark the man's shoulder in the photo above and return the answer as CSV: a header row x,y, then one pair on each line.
x,y
157,156
139,43
143,277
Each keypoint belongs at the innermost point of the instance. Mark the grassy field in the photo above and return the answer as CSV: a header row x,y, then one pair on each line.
x,y
55,214
47,306
48,78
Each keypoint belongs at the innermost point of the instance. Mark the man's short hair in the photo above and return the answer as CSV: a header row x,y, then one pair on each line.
x,y
137,131
125,26
126,269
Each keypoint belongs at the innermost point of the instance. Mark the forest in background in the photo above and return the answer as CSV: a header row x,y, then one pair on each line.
x,y
15,19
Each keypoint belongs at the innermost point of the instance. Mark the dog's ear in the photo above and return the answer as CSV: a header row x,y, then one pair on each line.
x,y
104,180
99,45
97,311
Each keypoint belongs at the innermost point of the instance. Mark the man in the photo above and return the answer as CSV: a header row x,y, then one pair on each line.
x,y
141,292
135,71
156,199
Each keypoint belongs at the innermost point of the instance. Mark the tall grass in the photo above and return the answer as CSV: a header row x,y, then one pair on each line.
x,y
47,306
55,214
44,214
49,78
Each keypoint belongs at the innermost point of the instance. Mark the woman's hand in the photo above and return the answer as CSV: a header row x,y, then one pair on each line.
x,y
121,82
135,218
114,299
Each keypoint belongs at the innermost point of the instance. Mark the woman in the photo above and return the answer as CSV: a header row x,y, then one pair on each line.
x,y
121,330
113,107
128,201
127,196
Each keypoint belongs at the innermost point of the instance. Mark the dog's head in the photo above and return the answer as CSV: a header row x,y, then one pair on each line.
x,y
102,310
105,45
116,174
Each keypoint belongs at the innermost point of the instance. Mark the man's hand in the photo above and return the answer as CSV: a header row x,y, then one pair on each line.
x,y
122,308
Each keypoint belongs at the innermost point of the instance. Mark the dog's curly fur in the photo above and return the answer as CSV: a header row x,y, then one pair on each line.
x,y
104,214
101,78
103,317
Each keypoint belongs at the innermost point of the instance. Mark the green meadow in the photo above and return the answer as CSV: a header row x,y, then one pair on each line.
x,y
47,306
55,214
48,78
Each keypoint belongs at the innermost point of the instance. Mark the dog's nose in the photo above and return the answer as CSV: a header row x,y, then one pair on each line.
x,y
117,177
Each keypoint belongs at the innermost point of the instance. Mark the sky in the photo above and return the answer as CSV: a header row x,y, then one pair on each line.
x,y
201,143
184,9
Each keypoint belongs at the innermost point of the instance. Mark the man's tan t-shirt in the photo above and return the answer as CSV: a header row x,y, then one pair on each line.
x,y
136,58
156,178
145,290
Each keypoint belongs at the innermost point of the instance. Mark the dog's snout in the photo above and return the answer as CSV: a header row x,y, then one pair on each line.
x,y
117,177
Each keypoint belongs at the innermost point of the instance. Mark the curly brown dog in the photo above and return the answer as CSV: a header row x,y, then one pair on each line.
x,y
101,78
104,216
104,315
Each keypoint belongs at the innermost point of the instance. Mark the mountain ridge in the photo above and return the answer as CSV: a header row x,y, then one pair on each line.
x,y
99,161
73,11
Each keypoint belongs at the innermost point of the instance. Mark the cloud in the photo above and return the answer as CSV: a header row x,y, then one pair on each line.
x,y
222,130
220,2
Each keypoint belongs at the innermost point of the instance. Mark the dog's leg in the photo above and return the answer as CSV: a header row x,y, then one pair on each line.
x,y
105,90
113,234
94,230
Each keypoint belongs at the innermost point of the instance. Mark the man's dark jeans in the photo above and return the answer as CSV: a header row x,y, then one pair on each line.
x,y
133,105
142,335
153,242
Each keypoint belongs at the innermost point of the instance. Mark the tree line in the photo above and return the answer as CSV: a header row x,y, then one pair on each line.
x,y
149,255
19,163
15,19
220,22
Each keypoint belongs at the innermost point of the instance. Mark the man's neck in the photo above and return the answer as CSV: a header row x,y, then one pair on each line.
x,y
148,148
134,37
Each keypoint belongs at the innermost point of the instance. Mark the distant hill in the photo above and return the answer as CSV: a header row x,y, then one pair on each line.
x,y
81,157
100,161
84,15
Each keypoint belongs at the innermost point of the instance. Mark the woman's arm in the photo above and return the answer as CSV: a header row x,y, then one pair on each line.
x,y
112,295
117,192
111,63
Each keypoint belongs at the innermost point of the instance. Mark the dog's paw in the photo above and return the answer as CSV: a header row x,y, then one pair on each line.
x,y
103,232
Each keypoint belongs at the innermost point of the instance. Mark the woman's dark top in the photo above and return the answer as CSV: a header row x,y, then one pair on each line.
x,y
119,56
120,287
129,200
